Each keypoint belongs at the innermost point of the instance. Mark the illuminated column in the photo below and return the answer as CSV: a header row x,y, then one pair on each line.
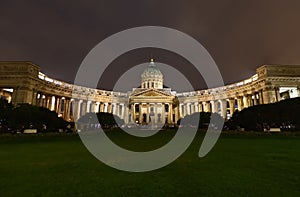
x,y
133,113
76,109
192,108
231,106
155,113
83,107
250,101
148,113
261,99
170,113
140,113
109,108
214,106
63,107
240,103
67,109
253,97
176,111
52,108
101,107
117,109
180,110
105,107
47,102
196,107
39,100
163,114
96,107
245,101
88,106
125,115
224,108
207,106
114,108
59,105
200,106
122,110
92,106
34,97
184,109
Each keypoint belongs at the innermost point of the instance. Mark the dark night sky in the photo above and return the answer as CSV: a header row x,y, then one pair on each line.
x,y
239,35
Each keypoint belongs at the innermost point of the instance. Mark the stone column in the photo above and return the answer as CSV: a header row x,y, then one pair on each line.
x,y
117,109
76,109
105,106
207,106
254,99
170,114
133,113
180,110
231,106
59,102
88,106
52,103
101,107
92,107
63,106
67,109
250,100
96,110
196,107
47,101
109,108
34,95
163,115
185,109
148,113
214,105
122,113
140,113
83,108
269,95
245,101
126,114
240,103
39,100
200,106
224,108
176,111
155,113
192,108
261,99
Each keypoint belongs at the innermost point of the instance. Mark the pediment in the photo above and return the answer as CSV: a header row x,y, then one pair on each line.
x,y
151,93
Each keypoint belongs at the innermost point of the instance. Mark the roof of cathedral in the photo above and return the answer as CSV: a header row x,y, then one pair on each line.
x,y
152,71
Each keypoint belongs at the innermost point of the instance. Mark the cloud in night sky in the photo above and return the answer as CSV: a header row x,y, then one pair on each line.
x,y
240,35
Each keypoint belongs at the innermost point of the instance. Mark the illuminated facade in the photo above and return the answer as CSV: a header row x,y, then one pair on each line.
x,y
22,82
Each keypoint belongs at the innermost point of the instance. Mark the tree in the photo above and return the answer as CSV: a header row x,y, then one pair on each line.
x,y
202,119
29,116
106,120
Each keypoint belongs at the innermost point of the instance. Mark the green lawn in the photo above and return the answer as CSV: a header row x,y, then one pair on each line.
x,y
59,165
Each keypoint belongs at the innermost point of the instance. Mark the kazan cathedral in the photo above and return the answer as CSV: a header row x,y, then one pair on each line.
x,y
151,103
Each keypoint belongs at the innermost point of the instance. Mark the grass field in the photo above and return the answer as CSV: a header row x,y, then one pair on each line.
x,y
239,165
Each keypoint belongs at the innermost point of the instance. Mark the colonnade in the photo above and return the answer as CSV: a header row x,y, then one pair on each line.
x,y
225,107
156,113
72,109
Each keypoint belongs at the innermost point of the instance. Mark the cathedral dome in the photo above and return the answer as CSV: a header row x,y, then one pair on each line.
x,y
152,71
152,77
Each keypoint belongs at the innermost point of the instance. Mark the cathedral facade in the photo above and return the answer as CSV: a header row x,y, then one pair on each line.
x,y
151,103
